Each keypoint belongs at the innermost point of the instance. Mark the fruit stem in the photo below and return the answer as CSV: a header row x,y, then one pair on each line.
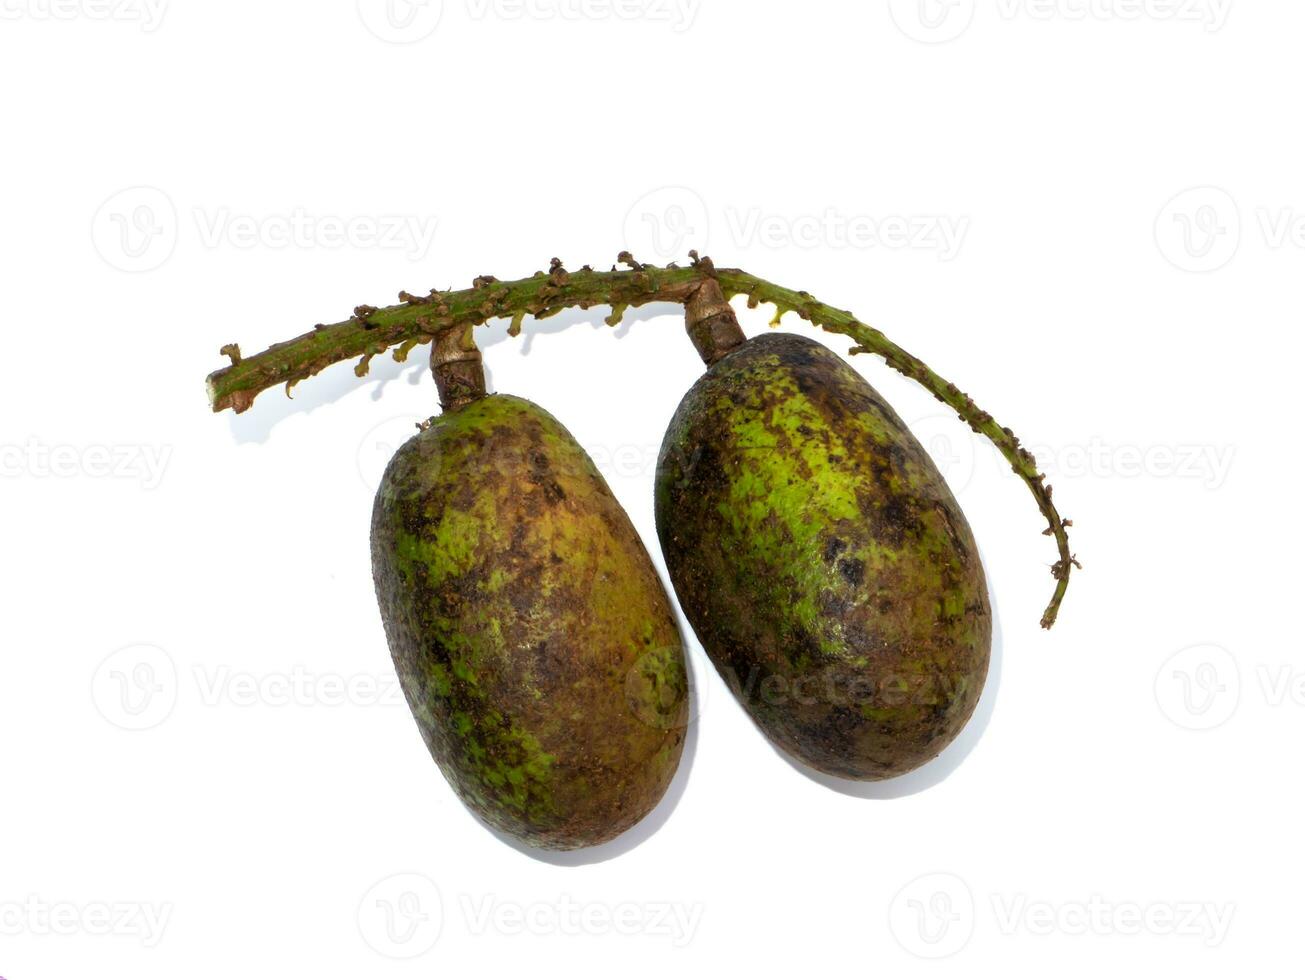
x,y
712,323
459,369
423,319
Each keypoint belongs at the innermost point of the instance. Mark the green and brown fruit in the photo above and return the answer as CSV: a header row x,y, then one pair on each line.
x,y
534,641
822,560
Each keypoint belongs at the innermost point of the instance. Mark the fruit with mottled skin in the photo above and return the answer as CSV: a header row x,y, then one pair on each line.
x,y
533,638
822,560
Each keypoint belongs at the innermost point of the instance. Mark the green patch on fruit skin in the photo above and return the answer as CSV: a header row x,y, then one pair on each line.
x,y
813,545
509,766
518,602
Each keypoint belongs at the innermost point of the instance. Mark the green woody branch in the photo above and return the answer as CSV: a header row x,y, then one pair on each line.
x,y
419,319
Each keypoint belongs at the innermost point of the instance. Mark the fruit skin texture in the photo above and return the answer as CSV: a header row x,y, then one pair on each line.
x,y
533,638
822,561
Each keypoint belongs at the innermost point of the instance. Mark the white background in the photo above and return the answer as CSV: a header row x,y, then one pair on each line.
x,y
205,769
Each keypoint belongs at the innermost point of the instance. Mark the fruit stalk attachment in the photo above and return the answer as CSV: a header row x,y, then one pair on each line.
x,y
712,324
420,319
459,369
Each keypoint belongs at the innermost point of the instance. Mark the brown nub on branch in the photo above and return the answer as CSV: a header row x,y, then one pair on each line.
x,y
459,370
713,327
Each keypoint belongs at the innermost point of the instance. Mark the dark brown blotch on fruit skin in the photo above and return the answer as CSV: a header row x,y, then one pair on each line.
x,y
822,560
532,636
